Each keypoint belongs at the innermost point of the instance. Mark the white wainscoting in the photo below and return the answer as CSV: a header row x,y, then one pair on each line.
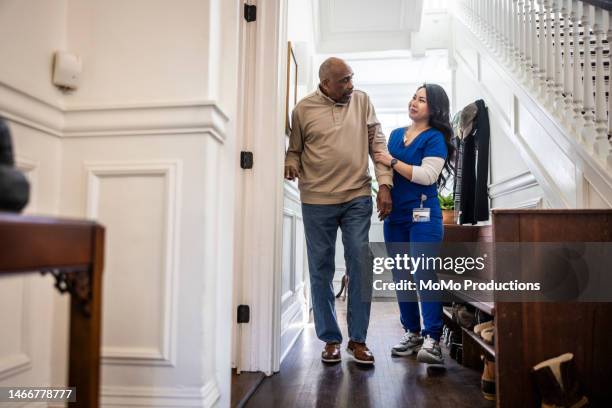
x,y
117,396
294,303
141,250
15,349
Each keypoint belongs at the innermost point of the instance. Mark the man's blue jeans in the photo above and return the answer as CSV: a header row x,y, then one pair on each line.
x,y
321,222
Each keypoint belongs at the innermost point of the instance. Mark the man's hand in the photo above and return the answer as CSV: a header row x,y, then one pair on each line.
x,y
291,173
383,201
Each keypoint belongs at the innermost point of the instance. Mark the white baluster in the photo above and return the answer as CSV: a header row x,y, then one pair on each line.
x,y
487,15
508,21
601,145
531,40
494,27
481,26
497,48
567,62
503,18
577,94
516,35
551,20
549,90
523,44
609,160
588,131
542,53
535,54
558,68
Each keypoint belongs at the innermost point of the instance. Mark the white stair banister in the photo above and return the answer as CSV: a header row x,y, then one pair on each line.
x,y
587,134
533,41
516,23
577,93
542,51
609,158
551,74
558,67
601,143
567,63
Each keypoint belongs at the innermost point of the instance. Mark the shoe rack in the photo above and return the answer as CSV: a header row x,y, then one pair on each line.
x,y
527,333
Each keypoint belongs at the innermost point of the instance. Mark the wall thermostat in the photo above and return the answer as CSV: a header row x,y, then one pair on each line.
x,y
66,70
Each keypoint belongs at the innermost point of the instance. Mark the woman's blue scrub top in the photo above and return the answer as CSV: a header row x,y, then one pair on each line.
x,y
405,194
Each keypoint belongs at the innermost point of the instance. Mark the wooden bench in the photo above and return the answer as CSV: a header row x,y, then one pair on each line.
x,y
73,252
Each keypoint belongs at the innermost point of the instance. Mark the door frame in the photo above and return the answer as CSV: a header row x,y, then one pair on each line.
x,y
259,205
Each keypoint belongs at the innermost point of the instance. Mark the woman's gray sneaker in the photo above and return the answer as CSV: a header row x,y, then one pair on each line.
x,y
410,343
430,352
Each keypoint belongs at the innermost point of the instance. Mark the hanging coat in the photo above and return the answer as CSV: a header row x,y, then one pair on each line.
x,y
472,164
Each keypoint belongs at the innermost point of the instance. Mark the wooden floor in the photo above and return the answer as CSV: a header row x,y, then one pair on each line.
x,y
243,386
304,381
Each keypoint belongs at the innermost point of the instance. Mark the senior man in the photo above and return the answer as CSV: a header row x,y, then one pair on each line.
x,y
333,131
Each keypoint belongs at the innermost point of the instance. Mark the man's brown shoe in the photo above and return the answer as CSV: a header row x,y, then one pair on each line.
x,y
331,353
360,352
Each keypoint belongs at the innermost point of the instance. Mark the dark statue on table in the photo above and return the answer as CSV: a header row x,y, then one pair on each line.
x,y
14,187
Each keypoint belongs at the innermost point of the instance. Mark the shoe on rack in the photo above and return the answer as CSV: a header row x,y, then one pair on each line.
x,y
409,343
360,352
557,381
481,326
487,383
331,353
430,352
488,334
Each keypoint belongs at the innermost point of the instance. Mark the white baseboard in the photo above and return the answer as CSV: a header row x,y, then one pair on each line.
x,y
120,396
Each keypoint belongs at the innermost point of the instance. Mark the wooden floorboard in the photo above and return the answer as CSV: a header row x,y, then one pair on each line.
x,y
303,381
243,386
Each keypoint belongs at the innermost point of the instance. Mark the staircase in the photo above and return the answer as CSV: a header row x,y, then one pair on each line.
x,y
544,66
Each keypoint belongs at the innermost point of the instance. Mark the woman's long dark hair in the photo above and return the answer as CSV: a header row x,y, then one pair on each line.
x,y
439,118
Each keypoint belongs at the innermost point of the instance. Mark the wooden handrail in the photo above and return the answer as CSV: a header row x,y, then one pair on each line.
x,y
73,252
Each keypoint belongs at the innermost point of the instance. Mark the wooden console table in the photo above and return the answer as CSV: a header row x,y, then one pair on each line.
x,y
73,252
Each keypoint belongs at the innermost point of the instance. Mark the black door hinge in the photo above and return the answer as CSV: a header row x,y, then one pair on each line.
x,y
243,314
250,12
246,160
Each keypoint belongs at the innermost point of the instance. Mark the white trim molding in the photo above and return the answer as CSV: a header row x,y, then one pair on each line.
x,y
260,225
147,119
118,396
172,173
159,118
513,184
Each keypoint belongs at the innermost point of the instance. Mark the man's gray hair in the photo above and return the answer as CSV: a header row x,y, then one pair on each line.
x,y
327,66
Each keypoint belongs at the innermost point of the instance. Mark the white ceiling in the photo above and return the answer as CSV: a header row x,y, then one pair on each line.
x,y
365,25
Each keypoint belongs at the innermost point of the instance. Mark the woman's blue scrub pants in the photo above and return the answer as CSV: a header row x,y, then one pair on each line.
x,y
415,233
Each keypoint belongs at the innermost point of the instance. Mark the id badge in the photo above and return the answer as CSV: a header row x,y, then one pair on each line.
x,y
420,214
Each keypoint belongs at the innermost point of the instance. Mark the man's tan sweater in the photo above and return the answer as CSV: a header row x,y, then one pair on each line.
x,y
329,145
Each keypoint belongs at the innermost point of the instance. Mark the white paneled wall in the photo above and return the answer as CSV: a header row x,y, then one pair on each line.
x,y
146,147
31,105
294,276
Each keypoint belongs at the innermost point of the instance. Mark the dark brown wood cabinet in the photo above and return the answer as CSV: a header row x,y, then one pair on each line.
x,y
527,333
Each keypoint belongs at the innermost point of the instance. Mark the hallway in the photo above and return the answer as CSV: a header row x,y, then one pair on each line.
x,y
304,381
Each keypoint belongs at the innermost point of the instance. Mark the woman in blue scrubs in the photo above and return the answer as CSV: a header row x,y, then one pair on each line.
x,y
419,155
